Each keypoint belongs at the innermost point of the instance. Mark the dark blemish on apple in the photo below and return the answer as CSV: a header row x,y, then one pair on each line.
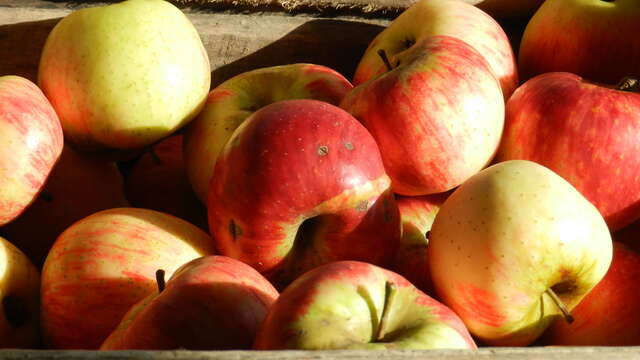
x,y
15,310
323,150
427,234
362,205
234,230
348,145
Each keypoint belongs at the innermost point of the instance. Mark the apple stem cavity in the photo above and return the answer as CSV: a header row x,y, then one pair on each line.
x,y
629,83
385,59
390,291
160,280
565,313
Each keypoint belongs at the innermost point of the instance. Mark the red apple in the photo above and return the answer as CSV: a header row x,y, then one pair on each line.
x,y
437,116
210,303
427,18
609,315
105,263
299,184
230,103
596,39
417,214
585,132
32,142
158,181
357,305
79,185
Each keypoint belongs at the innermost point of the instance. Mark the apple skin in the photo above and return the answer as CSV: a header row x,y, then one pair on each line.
x,y
20,299
339,305
32,142
417,214
585,132
595,39
437,117
506,236
69,193
105,263
609,314
318,192
210,303
229,104
427,18
158,181
149,76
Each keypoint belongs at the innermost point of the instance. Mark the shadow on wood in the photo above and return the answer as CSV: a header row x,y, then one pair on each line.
x,y
22,45
338,44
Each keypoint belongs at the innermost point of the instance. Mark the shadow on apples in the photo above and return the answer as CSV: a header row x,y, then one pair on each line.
x,y
337,44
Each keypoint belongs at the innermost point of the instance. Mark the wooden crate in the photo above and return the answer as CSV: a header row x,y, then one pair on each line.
x,y
239,36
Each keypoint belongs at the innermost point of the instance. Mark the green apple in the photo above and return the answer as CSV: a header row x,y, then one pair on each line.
x,y
357,305
513,248
20,299
427,18
125,75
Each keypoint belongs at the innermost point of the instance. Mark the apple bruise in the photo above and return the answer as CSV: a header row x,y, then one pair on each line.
x,y
318,192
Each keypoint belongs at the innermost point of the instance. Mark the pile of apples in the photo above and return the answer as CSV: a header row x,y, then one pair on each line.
x,y
448,196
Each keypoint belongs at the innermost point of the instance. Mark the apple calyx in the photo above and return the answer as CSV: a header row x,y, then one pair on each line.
x,y
15,310
629,84
565,312
160,280
385,59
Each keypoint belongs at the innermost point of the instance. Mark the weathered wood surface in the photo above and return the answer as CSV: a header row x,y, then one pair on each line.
x,y
569,353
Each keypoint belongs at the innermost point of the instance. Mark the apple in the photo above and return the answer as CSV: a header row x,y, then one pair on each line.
x,y
515,247
210,303
20,299
427,18
437,116
158,181
585,132
417,214
609,314
229,104
357,305
300,183
126,75
79,185
596,39
32,142
104,264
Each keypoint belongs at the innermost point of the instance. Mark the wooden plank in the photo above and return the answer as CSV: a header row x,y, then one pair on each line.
x,y
564,353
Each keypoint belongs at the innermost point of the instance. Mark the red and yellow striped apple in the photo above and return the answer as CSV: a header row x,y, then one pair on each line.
x,y
585,132
437,116
427,18
357,305
299,184
230,103
32,142
210,303
105,263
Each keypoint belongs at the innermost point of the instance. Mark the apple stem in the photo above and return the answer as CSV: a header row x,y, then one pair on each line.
x,y
385,59
390,291
565,313
628,83
156,159
160,280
